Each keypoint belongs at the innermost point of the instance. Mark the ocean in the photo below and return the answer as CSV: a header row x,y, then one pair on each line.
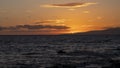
x,y
60,51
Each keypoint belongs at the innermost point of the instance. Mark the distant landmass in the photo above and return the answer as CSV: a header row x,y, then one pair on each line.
x,y
109,31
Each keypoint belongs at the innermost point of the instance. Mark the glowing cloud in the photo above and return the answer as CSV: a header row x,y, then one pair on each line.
x,y
50,21
68,5
86,12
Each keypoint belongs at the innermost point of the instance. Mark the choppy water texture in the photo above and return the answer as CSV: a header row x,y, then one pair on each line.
x,y
101,51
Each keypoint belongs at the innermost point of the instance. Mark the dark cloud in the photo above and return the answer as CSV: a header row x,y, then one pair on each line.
x,y
34,27
68,4
42,27
1,28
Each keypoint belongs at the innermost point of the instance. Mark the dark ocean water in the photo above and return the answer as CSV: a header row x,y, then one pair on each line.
x,y
63,51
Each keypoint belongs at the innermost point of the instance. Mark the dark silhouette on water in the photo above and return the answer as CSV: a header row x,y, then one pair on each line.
x,y
61,52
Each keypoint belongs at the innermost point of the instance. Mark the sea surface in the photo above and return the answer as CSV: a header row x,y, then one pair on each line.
x,y
60,51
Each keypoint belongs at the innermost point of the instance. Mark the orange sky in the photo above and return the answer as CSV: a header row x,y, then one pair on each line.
x,y
27,17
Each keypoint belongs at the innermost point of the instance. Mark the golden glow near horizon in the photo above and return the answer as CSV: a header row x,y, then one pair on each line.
x,y
58,16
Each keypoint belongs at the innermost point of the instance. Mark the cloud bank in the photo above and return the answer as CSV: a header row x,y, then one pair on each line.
x,y
33,27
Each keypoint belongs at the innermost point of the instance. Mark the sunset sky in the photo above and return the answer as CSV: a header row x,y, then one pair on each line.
x,y
30,17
